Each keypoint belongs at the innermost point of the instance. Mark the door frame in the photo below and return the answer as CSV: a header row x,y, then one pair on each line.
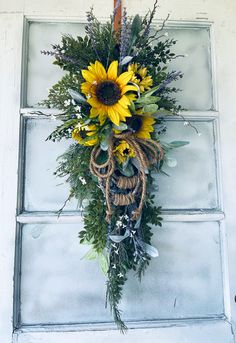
x,y
11,39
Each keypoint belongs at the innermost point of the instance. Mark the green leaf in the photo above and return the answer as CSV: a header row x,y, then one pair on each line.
x,y
77,96
121,127
136,26
150,250
178,144
148,100
128,170
151,91
151,109
132,107
119,238
105,140
102,157
126,60
104,145
136,163
162,112
103,263
90,255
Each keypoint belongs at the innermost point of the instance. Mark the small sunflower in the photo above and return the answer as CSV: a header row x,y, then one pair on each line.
x,y
141,126
140,77
85,135
107,92
123,151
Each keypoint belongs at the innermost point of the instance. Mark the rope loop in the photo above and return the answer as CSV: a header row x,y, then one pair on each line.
x,y
147,151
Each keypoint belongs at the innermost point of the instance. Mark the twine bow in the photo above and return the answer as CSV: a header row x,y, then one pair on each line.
x,y
147,152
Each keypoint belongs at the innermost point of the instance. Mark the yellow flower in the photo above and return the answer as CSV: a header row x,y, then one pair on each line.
x,y
140,77
141,126
123,151
107,92
82,133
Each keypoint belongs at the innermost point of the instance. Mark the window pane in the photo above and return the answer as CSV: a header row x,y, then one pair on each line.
x,y
185,281
43,190
191,184
195,42
42,74
196,85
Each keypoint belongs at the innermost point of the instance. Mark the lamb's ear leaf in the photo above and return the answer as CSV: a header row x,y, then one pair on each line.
x,y
77,96
126,60
149,249
178,144
119,238
122,126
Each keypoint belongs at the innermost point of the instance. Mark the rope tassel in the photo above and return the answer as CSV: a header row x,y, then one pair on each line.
x,y
131,189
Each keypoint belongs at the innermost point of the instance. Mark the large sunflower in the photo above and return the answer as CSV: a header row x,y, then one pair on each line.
x,y
141,126
107,92
140,77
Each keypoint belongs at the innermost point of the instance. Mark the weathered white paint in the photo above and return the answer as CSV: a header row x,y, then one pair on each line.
x,y
222,13
71,217
198,332
10,60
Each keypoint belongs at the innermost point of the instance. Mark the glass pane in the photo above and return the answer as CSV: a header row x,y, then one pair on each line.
x,y
43,190
42,74
195,42
191,183
196,85
185,281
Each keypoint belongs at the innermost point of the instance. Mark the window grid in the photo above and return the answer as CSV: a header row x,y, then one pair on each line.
x,y
27,217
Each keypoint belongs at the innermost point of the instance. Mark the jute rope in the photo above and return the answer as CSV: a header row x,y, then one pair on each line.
x,y
124,182
104,172
147,152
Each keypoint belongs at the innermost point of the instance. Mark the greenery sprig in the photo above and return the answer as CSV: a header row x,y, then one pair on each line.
x,y
113,100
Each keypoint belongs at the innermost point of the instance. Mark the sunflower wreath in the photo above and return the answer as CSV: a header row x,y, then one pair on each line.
x,y
113,101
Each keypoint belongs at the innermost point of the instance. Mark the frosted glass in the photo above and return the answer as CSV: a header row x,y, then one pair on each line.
x,y
184,281
42,74
196,85
43,190
195,42
192,183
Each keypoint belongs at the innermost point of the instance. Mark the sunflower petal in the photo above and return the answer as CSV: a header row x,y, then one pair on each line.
x,y
112,70
113,115
124,101
93,112
123,112
102,118
93,102
88,76
100,71
129,88
124,78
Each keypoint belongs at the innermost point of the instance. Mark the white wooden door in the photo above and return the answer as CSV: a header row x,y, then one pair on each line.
x,y
47,294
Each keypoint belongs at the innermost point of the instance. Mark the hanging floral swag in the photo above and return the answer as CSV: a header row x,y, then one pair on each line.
x,y
114,99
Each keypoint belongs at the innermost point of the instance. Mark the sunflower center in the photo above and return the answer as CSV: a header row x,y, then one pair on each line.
x,y
83,134
108,92
134,123
126,151
138,76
